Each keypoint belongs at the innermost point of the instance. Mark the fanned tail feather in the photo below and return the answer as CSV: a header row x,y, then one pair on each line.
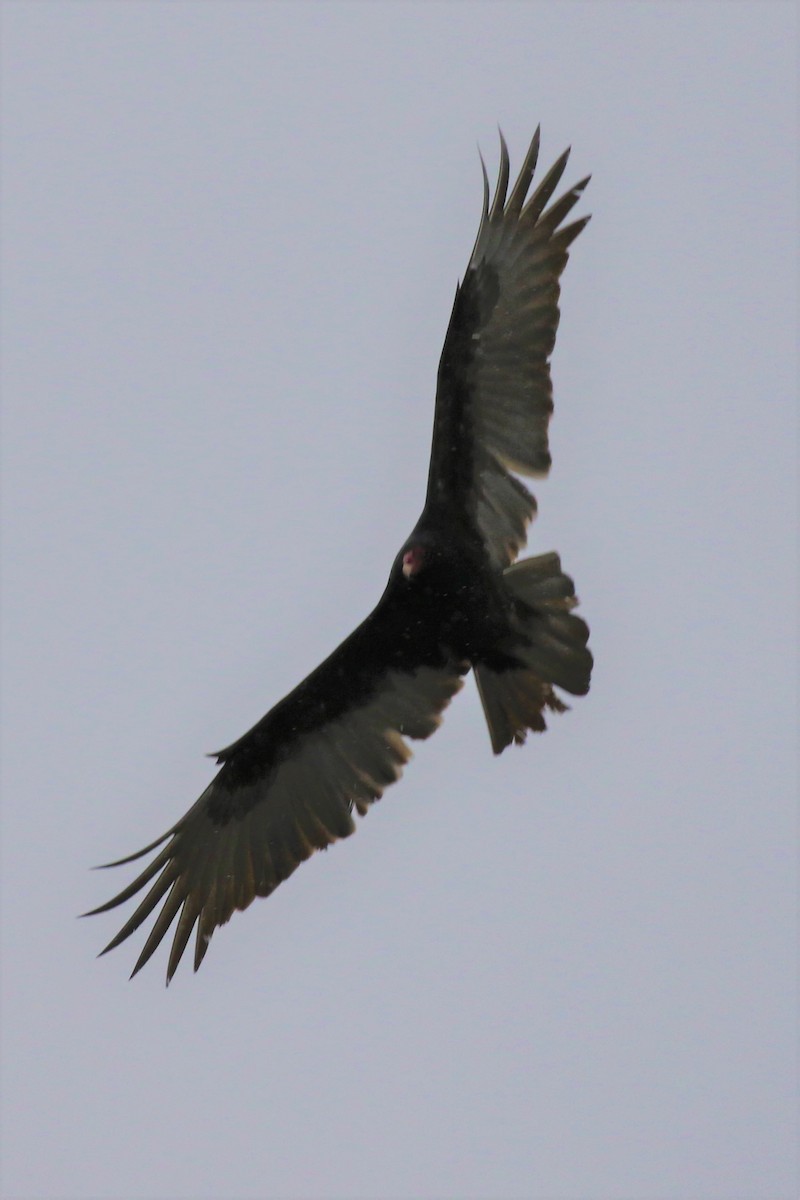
x,y
550,648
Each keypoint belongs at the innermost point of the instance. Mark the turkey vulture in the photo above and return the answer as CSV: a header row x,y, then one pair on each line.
x,y
456,599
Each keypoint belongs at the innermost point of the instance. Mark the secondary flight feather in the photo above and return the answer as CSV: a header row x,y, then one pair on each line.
x,y
456,600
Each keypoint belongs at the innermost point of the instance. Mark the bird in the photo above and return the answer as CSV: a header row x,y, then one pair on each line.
x,y
457,599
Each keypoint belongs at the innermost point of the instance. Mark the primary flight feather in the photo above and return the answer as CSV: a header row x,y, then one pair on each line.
x,y
456,599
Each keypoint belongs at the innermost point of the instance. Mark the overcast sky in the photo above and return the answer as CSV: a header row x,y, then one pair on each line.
x,y
232,233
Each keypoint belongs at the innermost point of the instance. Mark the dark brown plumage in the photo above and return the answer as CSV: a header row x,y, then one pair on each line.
x,y
455,600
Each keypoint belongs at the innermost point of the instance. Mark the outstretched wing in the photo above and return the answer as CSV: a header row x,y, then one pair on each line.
x,y
288,787
494,395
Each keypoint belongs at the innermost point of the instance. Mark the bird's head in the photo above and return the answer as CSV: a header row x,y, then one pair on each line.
x,y
413,559
423,553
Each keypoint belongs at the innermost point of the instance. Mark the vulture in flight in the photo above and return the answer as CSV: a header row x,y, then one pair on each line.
x,y
455,599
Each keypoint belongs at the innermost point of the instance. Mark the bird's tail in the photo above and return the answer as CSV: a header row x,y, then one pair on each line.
x,y
551,648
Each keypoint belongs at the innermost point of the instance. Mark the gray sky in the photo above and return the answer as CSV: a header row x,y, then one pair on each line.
x,y
232,233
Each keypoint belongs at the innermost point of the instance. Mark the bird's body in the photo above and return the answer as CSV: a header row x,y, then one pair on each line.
x,y
455,600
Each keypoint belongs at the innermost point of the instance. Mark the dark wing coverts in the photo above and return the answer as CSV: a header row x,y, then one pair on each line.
x,y
494,396
269,809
